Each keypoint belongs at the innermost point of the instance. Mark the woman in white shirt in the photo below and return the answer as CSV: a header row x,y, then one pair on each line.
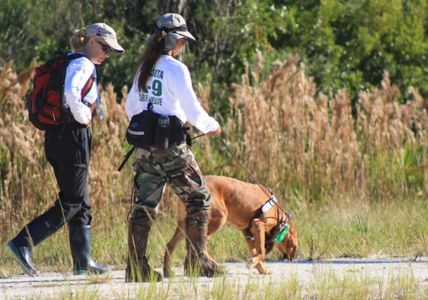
x,y
67,149
163,86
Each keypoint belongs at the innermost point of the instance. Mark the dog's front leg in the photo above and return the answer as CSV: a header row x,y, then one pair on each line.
x,y
251,245
257,247
253,251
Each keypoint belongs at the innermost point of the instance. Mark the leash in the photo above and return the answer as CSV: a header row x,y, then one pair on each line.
x,y
198,136
265,189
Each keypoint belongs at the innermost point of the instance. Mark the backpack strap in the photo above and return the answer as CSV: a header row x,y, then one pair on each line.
x,y
87,87
100,112
126,158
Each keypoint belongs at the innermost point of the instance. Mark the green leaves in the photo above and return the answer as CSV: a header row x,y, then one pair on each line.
x,y
343,43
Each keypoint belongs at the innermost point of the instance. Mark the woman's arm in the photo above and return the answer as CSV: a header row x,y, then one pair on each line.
x,y
195,114
77,75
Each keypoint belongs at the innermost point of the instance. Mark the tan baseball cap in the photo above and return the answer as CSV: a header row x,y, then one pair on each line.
x,y
174,23
104,33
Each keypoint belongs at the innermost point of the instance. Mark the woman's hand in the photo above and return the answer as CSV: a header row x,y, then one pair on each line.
x,y
215,133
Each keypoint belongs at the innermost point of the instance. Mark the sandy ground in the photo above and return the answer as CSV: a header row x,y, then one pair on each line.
x,y
65,285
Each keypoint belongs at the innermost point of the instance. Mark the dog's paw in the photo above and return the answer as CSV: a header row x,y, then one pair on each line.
x,y
250,263
262,269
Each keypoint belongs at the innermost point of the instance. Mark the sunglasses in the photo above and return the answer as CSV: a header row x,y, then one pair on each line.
x,y
106,49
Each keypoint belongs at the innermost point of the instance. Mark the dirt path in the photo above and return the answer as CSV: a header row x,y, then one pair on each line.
x,y
65,285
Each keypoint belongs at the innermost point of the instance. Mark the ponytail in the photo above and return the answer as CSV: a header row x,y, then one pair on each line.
x,y
78,39
154,49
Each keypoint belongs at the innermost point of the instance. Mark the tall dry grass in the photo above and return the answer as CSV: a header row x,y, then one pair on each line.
x,y
305,146
309,146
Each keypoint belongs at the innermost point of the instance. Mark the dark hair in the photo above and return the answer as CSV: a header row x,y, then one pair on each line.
x,y
154,49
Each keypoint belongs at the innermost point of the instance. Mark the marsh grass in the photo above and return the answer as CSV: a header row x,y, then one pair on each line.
x,y
388,229
354,230
317,147
83,294
326,286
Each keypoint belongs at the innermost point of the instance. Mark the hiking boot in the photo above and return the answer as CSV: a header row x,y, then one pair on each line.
x,y
138,268
140,271
198,262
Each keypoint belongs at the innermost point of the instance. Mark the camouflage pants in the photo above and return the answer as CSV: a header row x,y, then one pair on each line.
x,y
176,166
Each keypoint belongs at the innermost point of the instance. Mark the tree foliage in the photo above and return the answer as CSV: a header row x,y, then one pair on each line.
x,y
344,43
350,43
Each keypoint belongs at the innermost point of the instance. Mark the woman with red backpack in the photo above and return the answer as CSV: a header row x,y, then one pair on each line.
x,y
67,148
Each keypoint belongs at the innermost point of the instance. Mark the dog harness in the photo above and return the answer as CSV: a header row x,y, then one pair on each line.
x,y
278,232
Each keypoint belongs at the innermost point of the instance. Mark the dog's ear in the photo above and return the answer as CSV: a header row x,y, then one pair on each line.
x,y
290,253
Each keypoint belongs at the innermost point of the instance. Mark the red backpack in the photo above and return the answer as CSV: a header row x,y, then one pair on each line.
x,y
44,104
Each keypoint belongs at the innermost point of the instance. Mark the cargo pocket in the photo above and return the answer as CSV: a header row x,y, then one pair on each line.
x,y
187,180
81,146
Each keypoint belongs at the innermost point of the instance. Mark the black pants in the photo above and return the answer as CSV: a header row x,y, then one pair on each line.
x,y
68,151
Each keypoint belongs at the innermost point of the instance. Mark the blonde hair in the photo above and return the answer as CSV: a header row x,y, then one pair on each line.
x,y
78,39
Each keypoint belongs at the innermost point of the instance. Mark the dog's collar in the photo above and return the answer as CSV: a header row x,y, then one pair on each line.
x,y
263,209
278,232
268,204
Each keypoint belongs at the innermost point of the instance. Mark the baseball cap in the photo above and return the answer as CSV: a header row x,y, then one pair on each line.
x,y
104,33
175,23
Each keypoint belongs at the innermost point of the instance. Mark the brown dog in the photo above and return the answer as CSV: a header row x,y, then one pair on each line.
x,y
237,202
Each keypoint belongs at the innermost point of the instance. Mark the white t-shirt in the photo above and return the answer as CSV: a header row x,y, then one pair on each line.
x,y
170,90
77,75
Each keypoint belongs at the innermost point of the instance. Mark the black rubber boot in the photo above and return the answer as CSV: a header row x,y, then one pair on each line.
x,y
23,256
138,268
30,236
80,246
